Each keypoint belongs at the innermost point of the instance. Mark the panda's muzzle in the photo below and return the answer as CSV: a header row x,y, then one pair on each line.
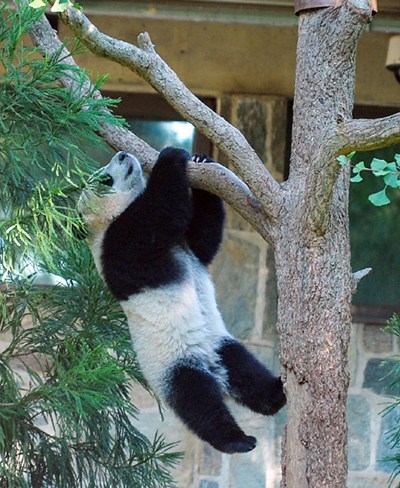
x,y
107,180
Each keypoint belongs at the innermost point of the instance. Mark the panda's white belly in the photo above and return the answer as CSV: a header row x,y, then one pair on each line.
x,y
175,322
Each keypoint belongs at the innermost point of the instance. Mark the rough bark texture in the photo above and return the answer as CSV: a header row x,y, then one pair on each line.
x,y
313,254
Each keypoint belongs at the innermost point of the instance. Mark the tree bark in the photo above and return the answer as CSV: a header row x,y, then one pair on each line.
x,y
314,288
313,253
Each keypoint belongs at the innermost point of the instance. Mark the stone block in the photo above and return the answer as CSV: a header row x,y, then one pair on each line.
x,y
208,484
247,474
366,481
378,377
376,340
359,419
262,119
235,273
210,461
248,470
150,423
390,421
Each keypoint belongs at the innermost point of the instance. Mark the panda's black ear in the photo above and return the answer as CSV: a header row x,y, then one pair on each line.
x,y
80,230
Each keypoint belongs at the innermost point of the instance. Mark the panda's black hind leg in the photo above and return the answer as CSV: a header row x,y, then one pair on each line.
x,y
196,398
250,382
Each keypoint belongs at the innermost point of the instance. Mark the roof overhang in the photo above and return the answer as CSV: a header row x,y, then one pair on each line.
x,y
260,12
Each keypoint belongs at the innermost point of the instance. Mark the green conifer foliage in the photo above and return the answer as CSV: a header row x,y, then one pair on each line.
x,y
68,421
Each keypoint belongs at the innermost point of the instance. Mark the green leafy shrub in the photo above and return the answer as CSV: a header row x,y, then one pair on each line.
x,y
67,364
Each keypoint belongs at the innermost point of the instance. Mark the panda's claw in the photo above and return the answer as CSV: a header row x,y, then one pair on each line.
x,y
201,158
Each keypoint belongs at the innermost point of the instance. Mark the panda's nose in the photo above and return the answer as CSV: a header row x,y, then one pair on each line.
x,y
122,155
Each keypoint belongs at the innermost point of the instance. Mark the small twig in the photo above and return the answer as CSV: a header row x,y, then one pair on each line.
x,y
357,277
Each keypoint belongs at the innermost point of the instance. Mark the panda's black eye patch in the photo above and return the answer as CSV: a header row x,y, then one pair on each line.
x,y
107,180
130,170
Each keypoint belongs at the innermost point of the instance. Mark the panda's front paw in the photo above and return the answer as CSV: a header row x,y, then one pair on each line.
x,y
201,158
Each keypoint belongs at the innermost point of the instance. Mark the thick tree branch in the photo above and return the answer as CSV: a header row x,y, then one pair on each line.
x,y
213,177
367,134
144,61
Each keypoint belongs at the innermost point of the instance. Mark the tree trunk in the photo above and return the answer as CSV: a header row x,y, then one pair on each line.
x,y
313,253
314,286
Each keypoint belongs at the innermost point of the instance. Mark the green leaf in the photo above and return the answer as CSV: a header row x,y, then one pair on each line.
x,y
356,179
343,160
392,178
37,4
359,167
61,5
357,170
380,198
379,167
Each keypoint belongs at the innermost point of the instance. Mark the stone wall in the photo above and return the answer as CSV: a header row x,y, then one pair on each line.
x,y
368,397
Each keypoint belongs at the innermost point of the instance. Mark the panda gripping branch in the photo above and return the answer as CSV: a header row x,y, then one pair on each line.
x,y
152,243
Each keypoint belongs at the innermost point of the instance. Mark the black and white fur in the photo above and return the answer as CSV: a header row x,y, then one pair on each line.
x,y
152,243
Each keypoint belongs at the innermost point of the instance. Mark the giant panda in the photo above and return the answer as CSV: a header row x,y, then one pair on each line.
x,y
152,242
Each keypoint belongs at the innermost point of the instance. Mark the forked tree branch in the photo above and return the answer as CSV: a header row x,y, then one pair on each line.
x,y
213,177
318,105
145,62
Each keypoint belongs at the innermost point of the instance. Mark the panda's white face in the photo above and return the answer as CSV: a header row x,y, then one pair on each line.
x,y
123,173
124,177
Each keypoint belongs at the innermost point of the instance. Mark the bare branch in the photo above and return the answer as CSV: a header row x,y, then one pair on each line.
x,y
367,134
145,62
212,177
357,277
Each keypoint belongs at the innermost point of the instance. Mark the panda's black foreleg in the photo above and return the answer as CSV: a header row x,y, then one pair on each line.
x,y
250,382
205,231
196,398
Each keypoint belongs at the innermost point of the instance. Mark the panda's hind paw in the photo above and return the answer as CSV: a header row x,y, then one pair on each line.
x,y
245,444
201,158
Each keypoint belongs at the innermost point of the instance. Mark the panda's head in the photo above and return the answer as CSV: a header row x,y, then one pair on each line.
x,y
112,188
